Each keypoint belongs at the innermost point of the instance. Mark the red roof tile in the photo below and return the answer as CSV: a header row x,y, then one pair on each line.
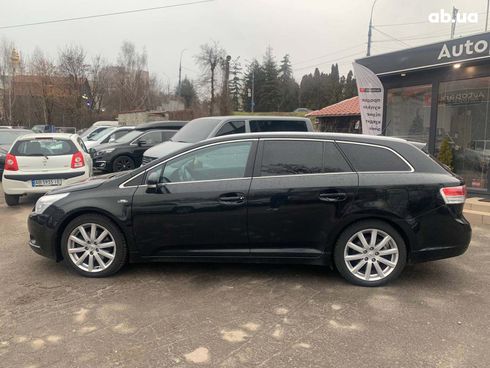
x,y
349,107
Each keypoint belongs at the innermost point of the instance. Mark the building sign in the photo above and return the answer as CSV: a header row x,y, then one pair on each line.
x,y
464,97
371,93
428,56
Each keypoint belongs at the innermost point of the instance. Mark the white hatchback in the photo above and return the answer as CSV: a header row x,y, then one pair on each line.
x,y
37,163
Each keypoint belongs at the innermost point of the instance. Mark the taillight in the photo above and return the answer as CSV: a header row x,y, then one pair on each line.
x,y
77,160
11,163
454,195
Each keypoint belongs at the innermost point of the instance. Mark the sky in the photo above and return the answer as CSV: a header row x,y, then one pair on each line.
x,y
315,33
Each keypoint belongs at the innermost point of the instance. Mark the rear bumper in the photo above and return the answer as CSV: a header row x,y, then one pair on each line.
x,y
42,237
449,241
19,184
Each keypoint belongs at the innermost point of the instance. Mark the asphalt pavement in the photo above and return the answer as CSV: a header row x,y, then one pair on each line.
x,y
232,315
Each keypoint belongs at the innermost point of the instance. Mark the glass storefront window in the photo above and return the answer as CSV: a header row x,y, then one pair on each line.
x,y
408,112
462,122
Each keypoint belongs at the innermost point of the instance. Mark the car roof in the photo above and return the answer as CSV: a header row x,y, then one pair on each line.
x,y
46,135
172,124
363,138
256,117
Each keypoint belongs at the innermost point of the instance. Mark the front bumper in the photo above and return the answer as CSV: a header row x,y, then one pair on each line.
x,y
100,164
42,236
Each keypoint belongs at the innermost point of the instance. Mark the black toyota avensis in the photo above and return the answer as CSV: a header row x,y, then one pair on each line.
x,y
366,205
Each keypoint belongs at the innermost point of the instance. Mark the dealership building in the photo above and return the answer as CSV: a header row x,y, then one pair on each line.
x,y
441,92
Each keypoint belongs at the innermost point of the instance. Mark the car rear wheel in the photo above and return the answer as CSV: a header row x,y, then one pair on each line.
x,y
123,163
11,200
93,246
370,253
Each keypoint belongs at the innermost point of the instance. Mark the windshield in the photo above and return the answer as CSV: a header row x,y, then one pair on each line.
x,y
8,137
129,137
196,130
99,133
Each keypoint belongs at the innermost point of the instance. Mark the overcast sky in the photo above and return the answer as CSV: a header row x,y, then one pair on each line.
x,y
314,32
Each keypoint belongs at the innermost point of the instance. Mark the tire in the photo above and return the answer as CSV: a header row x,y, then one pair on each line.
x,y
93,251
122,163
385,264
12,200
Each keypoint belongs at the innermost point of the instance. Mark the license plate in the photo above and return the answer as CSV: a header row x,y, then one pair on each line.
x,y
46,182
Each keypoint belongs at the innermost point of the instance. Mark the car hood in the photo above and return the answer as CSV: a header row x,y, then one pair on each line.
x,y
165,148
91,183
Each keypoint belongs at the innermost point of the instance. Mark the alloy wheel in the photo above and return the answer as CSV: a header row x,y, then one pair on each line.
x,y
123,165
91,247
371,254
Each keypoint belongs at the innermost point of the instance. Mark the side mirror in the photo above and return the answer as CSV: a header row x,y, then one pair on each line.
x,y
141,143
153,180
92,152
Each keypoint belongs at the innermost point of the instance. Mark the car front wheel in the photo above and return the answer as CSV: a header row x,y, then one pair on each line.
x,y
93,246
123,163
370,253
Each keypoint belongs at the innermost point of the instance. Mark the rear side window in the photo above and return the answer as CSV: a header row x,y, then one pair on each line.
x,y
373,158
44,147
232,127
277,126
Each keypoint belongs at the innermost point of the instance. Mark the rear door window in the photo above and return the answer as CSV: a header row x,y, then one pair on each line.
x,y
291,157
44,147
277,126
369,158
232,127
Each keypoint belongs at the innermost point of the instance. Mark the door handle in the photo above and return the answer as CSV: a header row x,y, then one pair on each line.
x,y
232,198
332,197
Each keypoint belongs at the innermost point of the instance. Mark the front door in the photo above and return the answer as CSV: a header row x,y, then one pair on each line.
x,y
199,206
299,191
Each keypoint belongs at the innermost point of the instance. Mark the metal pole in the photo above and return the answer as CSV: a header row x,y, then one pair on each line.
x,y
453,22
180,71
486,20
370,30
252,103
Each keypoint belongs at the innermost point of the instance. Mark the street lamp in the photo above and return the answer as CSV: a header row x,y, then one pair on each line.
x,y
370,30
180,70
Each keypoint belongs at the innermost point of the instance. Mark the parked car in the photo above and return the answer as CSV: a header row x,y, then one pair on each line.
x,y
37,163
69,130
109,135
126,153
7,137
367,205
96,127
94,132
44,128
204,128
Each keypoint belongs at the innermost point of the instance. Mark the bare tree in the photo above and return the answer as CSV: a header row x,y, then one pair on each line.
x,y
209,59
45,70
72,65
6,69
99,82
133,77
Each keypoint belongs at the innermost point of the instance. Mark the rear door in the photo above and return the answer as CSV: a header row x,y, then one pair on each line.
x,y
300,190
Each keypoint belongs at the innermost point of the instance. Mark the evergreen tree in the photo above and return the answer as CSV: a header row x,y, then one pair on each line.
x,y
252,79
288,88
446,153
350,86
269,93
235,84
187,92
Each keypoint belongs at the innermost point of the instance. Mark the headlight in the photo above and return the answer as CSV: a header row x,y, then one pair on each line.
x,y
103,152
47,200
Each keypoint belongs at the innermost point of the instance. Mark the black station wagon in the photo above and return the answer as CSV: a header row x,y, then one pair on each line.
x,y
366,205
